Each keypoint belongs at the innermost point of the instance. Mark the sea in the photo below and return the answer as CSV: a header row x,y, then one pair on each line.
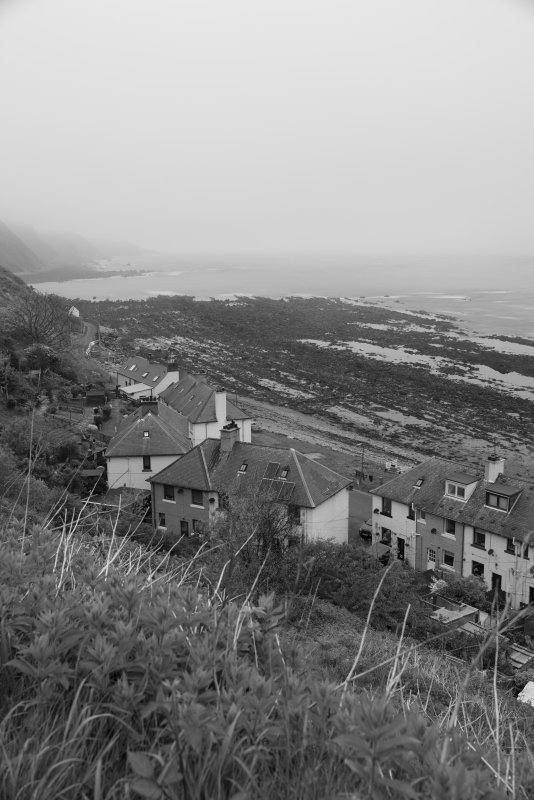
x,y
488,296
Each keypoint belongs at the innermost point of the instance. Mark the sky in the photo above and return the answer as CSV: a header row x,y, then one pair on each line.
x,y
391,127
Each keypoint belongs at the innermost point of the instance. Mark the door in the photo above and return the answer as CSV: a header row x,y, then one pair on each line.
x,y
496,582
400,548
431,558
184,527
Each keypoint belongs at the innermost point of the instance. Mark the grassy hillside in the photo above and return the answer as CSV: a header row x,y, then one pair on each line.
x,y
124,676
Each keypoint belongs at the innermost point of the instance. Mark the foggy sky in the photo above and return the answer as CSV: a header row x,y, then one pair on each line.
x,y
349,126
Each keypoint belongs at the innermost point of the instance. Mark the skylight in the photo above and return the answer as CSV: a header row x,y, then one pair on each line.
x,y
243,467
144,374
419,483
134,366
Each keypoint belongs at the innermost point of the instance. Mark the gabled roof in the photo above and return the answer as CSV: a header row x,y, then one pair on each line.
x,y
167,434
281,474
195,399
517,523
141,370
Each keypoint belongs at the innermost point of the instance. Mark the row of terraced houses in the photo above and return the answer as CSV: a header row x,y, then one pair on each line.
x,y
191,447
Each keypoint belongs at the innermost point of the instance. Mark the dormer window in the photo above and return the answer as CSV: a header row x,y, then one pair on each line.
x,y
455,490
497,501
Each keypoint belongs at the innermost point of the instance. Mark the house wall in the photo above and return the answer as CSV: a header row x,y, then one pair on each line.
x,y
440,542
330,520
400,525
200,431
182,508
165,382
128,470
514,570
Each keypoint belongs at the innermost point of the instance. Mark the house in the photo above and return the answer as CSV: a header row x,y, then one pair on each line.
x,y
142,378
188,495
147,441
207,409
443,516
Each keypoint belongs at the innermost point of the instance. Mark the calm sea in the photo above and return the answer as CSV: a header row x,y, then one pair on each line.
x,y
491,296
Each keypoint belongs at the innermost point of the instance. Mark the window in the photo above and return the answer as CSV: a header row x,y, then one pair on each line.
x,y
510,547
184,527
146,434
411,512
479,539
477,569
196,498
196,525
421,515
156,378
386,536
284,473
431,554
168,492
418,483
146,464
161,519
524,552
386,506
454,490
144,374
448,558
243,468
497,501
450,526
131,369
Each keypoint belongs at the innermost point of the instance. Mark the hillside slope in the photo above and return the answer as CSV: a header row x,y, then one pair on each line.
x,y
15,255
11,287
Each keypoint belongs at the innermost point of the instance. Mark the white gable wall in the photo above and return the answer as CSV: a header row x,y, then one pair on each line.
x,y
128,470
330,520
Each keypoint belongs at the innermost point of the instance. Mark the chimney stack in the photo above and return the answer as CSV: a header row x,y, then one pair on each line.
x,y
494,468
220,407
229,436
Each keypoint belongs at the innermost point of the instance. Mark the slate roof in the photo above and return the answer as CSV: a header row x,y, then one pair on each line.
x,y
516,523
207,467
168,434
141,370
195,399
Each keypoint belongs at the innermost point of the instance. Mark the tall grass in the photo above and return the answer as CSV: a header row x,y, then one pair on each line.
x,y
123,677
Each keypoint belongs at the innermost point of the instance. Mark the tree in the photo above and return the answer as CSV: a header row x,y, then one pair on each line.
x,y
39,319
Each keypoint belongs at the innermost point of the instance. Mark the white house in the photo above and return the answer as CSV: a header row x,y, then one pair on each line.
x,y
187,495
458,520
148,440
207,409
142,378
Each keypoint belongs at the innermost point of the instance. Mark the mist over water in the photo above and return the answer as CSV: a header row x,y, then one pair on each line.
x,y
488,295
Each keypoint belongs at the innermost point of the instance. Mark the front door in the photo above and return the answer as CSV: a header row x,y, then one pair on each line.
x,y
431,558
184,527
400,548
496,582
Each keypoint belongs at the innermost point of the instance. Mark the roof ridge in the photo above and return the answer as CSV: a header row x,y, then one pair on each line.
x,y
204,464
303,479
